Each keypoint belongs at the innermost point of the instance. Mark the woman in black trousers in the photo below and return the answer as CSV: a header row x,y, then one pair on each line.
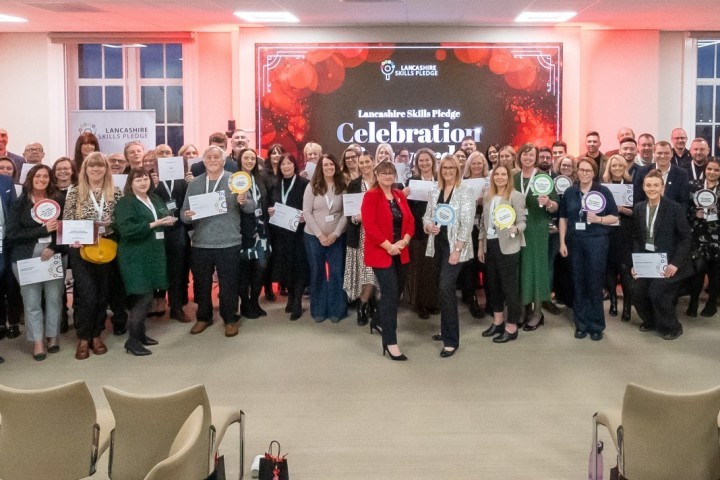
x,y
660,227
389,225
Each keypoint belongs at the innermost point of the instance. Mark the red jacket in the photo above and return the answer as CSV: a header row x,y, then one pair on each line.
x,y
378,224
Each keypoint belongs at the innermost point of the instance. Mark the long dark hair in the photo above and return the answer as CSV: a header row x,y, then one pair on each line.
x,y
84,138
268,161
51,189
319,186
287,156
256,168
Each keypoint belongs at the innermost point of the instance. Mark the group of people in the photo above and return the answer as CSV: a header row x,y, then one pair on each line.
x,y
534,228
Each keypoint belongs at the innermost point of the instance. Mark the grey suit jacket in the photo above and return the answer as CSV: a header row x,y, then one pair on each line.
x,y
508,244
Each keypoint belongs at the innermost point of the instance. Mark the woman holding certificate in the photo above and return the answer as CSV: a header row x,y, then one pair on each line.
x,y
290,259
661,230
255,243
534,267
359,279
32,229
214,211
93,199
705,254
620,249
140,219
501,237
388,225
586,212
422,294
324,241
449,220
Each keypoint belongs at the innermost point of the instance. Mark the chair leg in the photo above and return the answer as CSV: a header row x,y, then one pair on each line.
x,y
621,450
594,441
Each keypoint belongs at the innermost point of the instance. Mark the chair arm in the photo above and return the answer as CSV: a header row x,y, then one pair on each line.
x,y
175,465
222,418
610,419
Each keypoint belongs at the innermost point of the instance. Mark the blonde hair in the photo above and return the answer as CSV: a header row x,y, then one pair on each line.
x,y
607,178
469,160
449,158
388,149
95,159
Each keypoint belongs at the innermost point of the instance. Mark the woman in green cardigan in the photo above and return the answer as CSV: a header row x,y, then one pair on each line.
x,y
141,219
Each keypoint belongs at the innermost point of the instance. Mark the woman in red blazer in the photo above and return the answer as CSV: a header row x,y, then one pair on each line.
x,y
389,225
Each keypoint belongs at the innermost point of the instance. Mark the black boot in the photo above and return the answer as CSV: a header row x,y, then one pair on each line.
x,y
613,303
144,339
692,307
627,307
475,309
362,314
133,344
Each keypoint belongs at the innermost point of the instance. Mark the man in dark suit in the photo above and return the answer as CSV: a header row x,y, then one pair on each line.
x,y
681,155
699,150
4,152
660,227
675,179
218,139
7,196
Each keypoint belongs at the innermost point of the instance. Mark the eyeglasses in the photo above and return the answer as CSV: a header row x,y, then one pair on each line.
x,y
117,160
33,149
386,173
449,168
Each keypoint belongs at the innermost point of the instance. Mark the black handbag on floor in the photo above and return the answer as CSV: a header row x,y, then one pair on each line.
x,y
273,467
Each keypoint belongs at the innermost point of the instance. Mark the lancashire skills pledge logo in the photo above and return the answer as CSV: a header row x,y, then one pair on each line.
x,y
387,68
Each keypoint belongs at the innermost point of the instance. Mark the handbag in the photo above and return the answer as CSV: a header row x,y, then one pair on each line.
x,y
273,467
102,252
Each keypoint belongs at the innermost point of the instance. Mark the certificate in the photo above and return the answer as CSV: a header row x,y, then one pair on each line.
x,y
650,265
310,169
119,180
420,190
477,185
26,167
352,203
34,270
622,193
193,161
208,204
285,217
172,168
403,173
71,232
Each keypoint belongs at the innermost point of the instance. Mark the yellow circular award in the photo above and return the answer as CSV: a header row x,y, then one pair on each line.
x,y
240,182
504,216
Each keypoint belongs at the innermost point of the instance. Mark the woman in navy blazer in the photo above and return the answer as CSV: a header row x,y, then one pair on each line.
x,y
389,225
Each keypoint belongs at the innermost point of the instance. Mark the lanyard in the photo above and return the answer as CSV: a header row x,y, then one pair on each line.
x,y
283,193
708,188
695,175
524,189
493,206
256,191
207,183
367,187
329,202
651,222
150,206
98,208
169,190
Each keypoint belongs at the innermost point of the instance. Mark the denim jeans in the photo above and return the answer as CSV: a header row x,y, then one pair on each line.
x,y
327,297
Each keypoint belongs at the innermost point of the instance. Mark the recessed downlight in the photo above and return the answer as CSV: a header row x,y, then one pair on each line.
x,y
267,17
544,17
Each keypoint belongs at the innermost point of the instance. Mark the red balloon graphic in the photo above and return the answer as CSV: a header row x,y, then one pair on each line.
x,y
378,55
268,132
315,56
351,57
301,75
499,63
440,55
331,75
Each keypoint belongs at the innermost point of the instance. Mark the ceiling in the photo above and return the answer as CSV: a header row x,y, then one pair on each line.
x,y
217,15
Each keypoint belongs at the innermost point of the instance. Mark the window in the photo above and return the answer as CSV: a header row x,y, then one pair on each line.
x,y
707,102
130,77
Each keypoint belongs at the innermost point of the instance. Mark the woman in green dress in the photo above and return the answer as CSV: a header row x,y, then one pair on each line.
x,y
140,219
534,267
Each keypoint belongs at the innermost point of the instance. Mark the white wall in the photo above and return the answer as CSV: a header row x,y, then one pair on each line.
x,y
610,78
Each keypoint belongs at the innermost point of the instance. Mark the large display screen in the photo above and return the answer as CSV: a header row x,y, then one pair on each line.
x,y
427,95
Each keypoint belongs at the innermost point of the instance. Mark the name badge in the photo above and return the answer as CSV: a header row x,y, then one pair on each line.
x,y
329,218
580,226
171,205
45,240
101,230
712,217
258,212
714,237
491,231
159,235
649,247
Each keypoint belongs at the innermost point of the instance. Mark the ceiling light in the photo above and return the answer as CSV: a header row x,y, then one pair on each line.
x,y
267,17
11,19
544,17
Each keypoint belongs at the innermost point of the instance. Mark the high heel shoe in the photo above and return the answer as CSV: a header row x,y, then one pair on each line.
x,y
506,337
613,306
625,313
374,324
494,330
136,348
530,328
362,314
397,358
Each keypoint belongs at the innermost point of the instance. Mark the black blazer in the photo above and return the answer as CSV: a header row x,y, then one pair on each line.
x,y
672,235
677,187
23,232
